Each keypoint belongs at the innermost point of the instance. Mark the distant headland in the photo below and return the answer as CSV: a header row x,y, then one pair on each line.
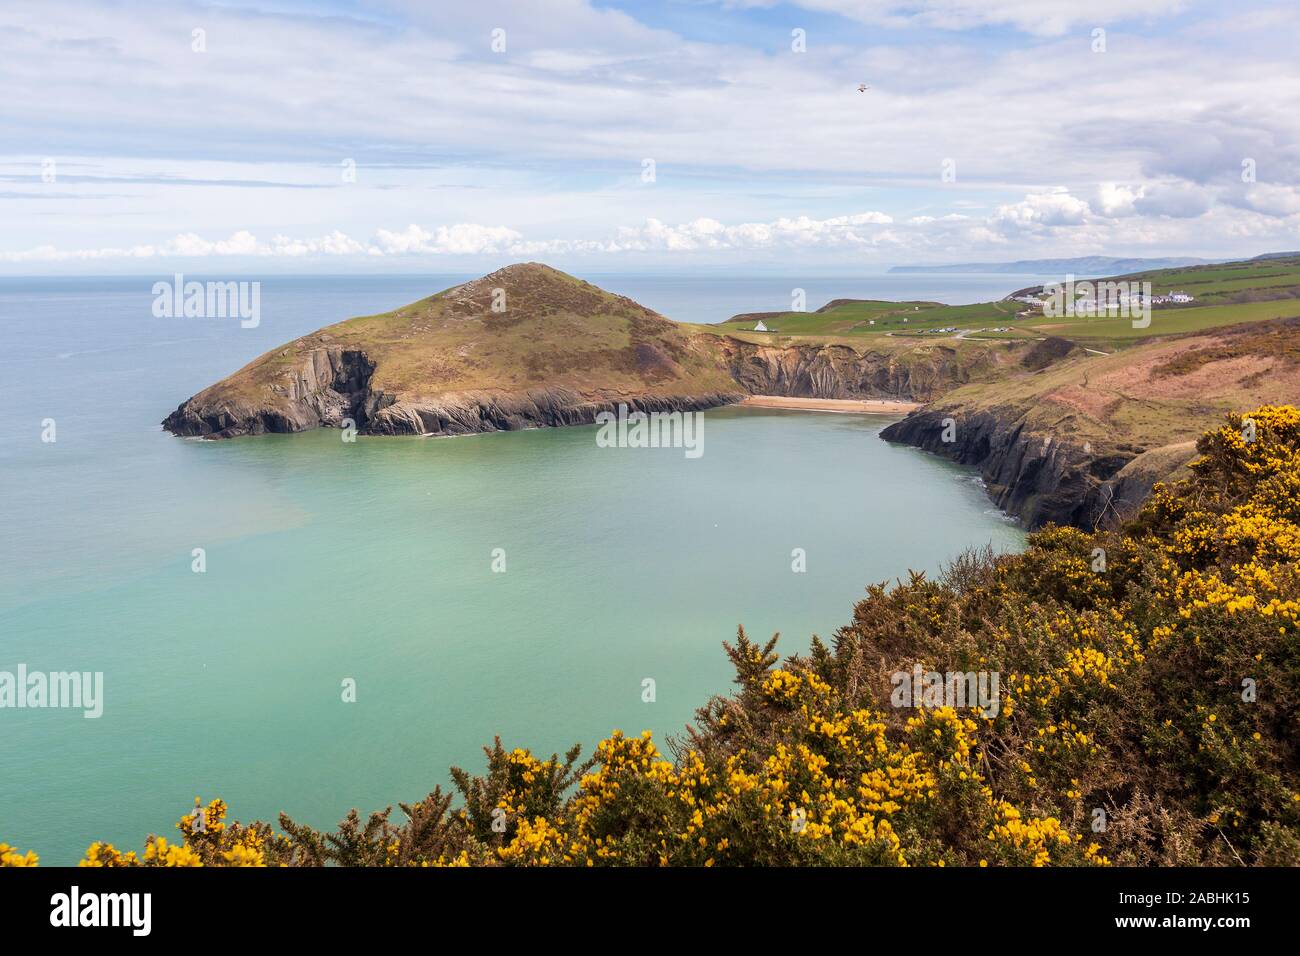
x,y
1069,419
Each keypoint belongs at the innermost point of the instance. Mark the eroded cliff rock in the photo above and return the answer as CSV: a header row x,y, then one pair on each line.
x,y
326,388
332,386
839,371
1039,476
468,413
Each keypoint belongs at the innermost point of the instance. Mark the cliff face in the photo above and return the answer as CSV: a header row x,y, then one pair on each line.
x,y
333,386
1038,477
329,386
1081,438
467,413
838,371
1028,473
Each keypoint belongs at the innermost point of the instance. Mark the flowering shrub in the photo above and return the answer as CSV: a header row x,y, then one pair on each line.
x,y
12,857
1148,714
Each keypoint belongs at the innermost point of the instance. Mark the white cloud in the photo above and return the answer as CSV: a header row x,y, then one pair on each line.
x,y
242,243
461,239
192,246
581,86
1274,200
472,239
333,244
1052,219
1053,208
1116,199
1047,17
707,233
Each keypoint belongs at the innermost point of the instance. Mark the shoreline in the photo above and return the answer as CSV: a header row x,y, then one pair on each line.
x,y
842,406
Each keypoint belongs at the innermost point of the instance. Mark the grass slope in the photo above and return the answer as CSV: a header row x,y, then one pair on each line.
x,y
554,330
1154,394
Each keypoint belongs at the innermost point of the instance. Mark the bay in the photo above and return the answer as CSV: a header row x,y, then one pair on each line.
x,y
373,561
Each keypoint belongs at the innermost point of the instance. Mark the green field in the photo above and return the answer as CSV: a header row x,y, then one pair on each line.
x,y
873,317
1171,321
1218,284
1225,294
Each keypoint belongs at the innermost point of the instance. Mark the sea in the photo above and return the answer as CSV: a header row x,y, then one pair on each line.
x,y
297,625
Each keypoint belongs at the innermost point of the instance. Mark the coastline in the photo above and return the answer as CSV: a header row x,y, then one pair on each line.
x,y
842,406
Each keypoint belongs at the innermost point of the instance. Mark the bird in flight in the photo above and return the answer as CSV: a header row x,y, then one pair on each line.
x,y
862,87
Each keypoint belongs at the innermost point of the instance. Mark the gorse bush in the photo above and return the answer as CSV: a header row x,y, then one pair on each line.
x,y
1148,684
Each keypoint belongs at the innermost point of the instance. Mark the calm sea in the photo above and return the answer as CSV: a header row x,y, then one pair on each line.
x,y
372,562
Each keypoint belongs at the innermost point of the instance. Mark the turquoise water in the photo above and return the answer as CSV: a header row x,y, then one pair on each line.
x,y
373,561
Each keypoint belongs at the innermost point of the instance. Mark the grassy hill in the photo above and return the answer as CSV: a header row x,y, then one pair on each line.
x,y
512,348
552,328
1230,282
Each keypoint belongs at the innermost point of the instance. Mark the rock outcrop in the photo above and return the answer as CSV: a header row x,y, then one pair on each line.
x,y
1028,474
1084,439
1121,497
333,385
840,371
330,386
1039,477
468,413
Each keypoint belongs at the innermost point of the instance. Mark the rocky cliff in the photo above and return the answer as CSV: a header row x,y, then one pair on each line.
x,y
1082,439
1029,473
326,388
333,387
918,373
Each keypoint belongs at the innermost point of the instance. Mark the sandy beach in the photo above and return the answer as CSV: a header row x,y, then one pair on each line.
x,y
844,406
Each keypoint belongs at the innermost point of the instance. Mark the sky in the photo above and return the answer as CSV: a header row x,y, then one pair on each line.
x,y
670,136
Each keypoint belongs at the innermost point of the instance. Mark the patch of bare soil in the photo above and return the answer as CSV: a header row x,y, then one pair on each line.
x,y
1213,377
1090,401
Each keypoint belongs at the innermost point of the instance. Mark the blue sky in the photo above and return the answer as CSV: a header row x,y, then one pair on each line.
x,y
395,136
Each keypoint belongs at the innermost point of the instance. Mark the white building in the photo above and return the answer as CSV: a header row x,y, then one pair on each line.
x,y
760,327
